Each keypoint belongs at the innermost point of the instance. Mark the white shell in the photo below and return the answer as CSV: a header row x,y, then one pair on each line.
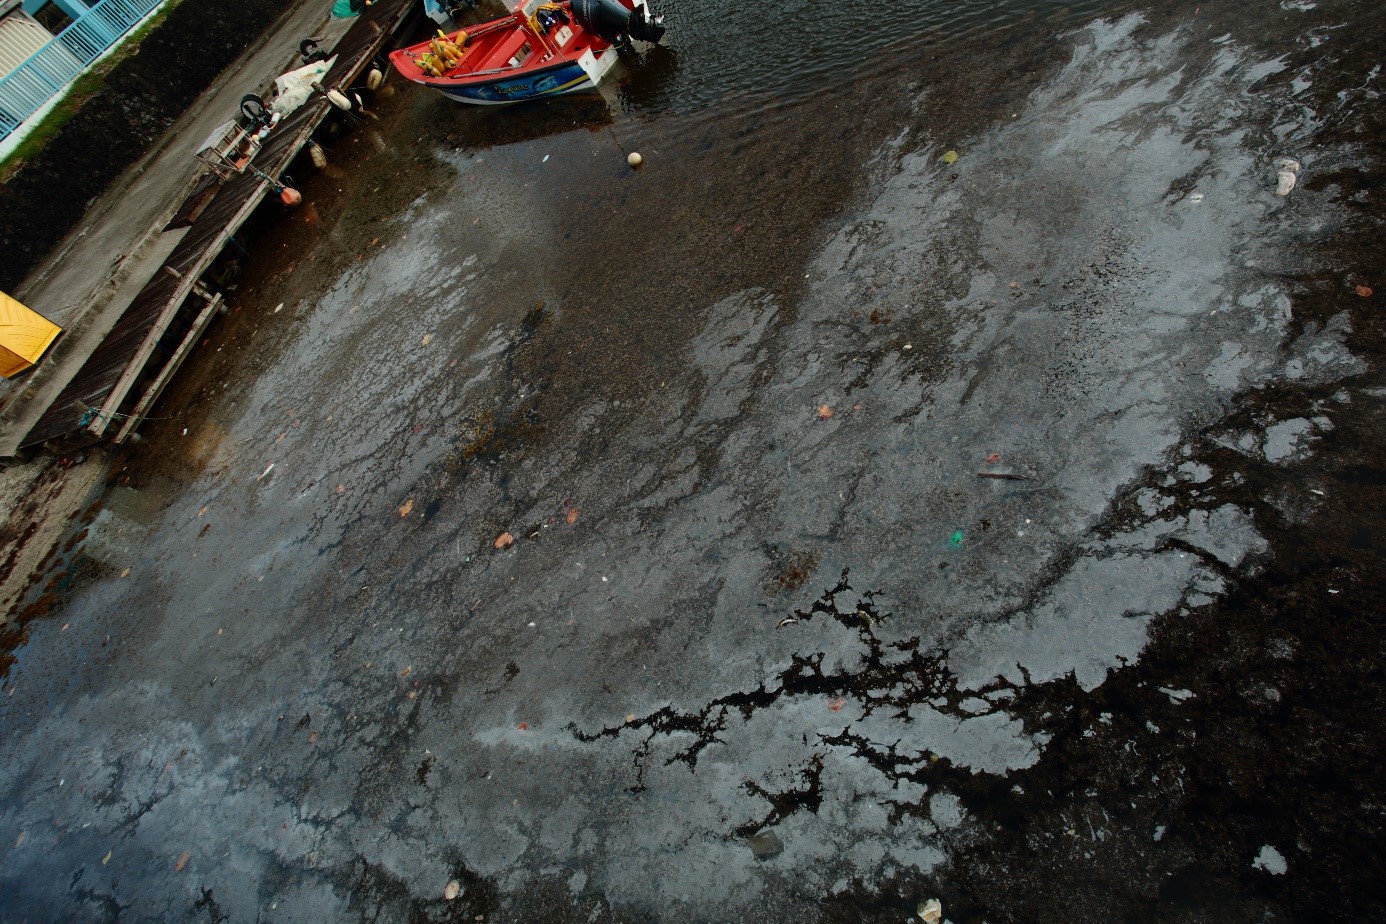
x,y
454,889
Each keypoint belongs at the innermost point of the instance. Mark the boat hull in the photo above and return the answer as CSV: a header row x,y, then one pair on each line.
x,y
513,59
556,80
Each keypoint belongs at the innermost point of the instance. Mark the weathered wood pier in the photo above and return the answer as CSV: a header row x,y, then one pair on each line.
x,y
123,377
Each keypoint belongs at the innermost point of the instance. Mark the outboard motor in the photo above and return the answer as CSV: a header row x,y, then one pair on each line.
x,y
613,22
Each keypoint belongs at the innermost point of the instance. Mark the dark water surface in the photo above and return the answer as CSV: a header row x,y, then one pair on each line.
x,y
731,409
787,49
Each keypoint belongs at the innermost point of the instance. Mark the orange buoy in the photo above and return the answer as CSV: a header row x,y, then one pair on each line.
x,y
290,196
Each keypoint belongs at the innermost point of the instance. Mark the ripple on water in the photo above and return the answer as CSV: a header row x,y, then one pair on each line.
x,y
760,55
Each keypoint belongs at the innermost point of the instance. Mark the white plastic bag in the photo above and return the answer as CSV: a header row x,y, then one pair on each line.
x,y
293,89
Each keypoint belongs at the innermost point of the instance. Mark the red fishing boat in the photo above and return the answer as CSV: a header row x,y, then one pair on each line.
x,y
540,50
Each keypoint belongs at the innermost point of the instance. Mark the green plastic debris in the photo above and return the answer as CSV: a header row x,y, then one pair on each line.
x,y
951,157
345,9
957,537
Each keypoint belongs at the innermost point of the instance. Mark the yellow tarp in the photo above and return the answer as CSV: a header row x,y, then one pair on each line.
x,y
24,336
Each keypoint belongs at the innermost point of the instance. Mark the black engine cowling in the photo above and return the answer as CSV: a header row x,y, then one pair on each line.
x,y
612,21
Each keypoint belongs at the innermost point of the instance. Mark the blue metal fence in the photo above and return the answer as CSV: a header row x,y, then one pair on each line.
x,y
53,67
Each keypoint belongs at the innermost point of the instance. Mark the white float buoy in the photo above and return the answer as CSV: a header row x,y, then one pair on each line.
x,y
339,100
375,78
634,159
318,155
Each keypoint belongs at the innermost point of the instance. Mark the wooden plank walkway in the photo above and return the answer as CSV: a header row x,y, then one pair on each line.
x,y
91,405
131,421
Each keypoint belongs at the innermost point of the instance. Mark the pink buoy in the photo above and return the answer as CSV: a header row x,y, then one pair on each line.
x,y
290,196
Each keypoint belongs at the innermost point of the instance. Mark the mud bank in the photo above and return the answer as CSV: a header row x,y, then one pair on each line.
x,y
733,410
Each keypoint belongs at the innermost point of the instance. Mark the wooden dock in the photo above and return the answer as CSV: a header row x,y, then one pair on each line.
x,y
129,369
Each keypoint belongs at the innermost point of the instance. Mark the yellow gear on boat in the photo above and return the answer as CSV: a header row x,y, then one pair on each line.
x,y
449,47
453,53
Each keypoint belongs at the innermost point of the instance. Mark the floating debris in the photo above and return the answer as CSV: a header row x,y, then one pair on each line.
x,y
452,890
930,912
504,541
766,845
1271,861
1286,174
1004,476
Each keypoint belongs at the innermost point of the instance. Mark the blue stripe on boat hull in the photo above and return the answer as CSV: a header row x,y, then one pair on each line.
x,y
564,79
